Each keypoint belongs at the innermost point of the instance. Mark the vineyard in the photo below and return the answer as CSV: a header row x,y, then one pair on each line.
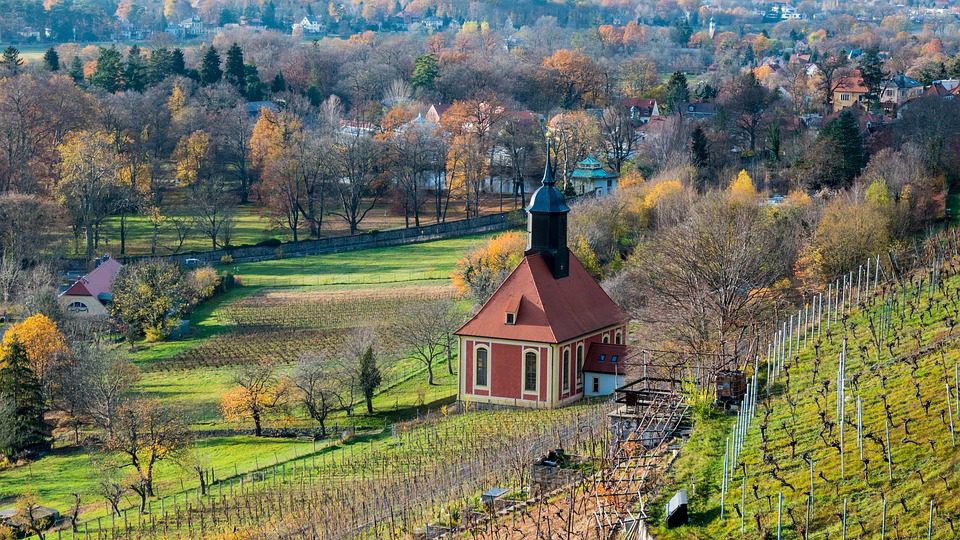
x,y
279,325
426,472
857,437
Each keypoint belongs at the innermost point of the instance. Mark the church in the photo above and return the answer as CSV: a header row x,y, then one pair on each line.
x,y
549,335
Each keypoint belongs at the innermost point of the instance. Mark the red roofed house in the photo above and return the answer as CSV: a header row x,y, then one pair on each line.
x,y
92,292
547,328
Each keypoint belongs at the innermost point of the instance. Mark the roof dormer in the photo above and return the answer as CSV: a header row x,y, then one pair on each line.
x,y
512,310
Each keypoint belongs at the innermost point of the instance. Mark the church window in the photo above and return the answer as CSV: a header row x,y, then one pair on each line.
x,y
530,372
483,366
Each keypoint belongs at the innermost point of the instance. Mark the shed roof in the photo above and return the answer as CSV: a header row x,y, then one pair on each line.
x,y
605,358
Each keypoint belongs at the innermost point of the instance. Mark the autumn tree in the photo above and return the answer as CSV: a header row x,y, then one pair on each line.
x,y
574,134
22,427
275,149
481,271
847,233
579,76
148,298
44,345
196,169
100,383
747,106
146,433
88,184
258,393
26,516
638,76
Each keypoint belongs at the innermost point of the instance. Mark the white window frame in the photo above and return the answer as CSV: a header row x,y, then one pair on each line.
x,y
565,369
76,306
579,361
476,365
618,337
523,372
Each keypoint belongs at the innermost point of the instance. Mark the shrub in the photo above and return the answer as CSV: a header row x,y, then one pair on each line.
x,y
202,284
226,259
269,242
278,253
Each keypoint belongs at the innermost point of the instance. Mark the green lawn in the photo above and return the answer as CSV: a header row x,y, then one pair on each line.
x,y
414,262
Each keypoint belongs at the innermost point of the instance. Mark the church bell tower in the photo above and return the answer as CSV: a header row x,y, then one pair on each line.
x,y
547,225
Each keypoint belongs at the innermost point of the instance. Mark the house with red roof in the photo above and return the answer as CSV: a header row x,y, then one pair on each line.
x,y
91,294
549,335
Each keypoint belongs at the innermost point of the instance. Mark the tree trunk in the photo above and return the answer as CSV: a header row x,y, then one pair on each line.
x,y
430,372
257,428
369,399
89,252
123,233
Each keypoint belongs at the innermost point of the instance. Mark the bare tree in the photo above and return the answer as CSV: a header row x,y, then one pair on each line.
x,y
146,433
104,379
617,136
315,378
357,187
422,329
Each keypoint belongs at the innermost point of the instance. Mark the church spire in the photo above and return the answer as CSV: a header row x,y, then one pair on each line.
x,y
547,224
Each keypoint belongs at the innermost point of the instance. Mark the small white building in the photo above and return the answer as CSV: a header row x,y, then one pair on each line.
x,y
309,26
603,369
91,294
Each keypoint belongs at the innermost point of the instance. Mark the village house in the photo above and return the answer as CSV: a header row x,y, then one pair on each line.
x,y
590,177
91,294
550,334
309,26
897,90
641,110
849,91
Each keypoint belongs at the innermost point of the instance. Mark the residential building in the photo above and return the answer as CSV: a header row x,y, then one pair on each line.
x,y
91,294
590,177
849,91
898,90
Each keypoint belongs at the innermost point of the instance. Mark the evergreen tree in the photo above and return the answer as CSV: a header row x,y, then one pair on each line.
x,y
76,70
178,66
227,16
134,71
699,151
269,15
370,377
254,89
773,141
843,133
871,71
51,59
425,72
10,61
681,32
109,73
279,84
160,65
235,72
21,405
677,91
210,72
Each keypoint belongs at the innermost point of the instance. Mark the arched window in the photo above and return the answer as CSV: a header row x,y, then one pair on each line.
x,y
77,307
606,338
482,364
565,377
579,365
530,372
618,338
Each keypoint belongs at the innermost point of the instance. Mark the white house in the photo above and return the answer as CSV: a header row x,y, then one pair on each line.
x,y
91,294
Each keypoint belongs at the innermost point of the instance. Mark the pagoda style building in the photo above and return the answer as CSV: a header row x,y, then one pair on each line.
x,y
591,178
549,334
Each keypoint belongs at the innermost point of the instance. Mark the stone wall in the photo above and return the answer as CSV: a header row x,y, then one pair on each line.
x,y
336,244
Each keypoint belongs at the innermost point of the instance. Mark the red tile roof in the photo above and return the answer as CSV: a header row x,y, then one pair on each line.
x,y
605,358
99,280
852,84
550,310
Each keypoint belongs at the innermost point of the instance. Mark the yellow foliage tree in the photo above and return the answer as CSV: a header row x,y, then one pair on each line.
x,y
631,179
192,156
587,257
43,342
798,197
484,269
660,192
742,187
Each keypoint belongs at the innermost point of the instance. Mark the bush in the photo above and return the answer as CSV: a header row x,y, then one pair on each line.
x,y
202,284
227,282
278,253
226,259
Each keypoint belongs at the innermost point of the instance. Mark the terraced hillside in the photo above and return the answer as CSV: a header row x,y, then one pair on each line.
x,y
885,461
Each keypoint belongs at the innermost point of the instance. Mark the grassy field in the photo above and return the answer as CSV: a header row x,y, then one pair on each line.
x,y
905,385
198,390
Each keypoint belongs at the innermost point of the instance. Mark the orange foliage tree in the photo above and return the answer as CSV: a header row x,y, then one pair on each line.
x,y
481,271
259,392
44,343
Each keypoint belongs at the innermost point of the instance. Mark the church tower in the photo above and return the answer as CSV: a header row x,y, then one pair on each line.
x,y
547,225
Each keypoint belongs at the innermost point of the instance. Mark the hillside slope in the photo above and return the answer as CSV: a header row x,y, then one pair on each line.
x,y
901,366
